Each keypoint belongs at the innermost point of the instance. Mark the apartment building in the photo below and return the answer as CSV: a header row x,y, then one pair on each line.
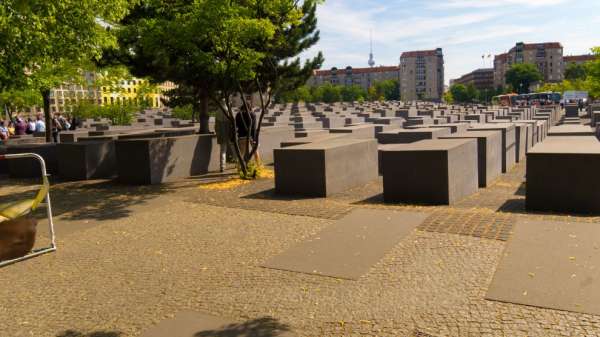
x,y
481,79
133,91
578,59
363,77
64,97
547,56
422,75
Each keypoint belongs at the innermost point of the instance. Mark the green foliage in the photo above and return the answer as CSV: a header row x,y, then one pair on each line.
x,y
521,76
575,72
221,49
184,112
19,100
352,93
329,93
388,89
459,93
118,114
592,82
448,97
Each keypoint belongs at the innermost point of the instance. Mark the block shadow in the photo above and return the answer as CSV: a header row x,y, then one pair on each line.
x,y
73,333
260,327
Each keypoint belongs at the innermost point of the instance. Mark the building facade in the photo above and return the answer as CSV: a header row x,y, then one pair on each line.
x,y
422,75
363,77
578,59
133,91
66,96
548,57
481,79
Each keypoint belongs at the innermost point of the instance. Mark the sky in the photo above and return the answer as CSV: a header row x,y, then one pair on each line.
x,y
465,29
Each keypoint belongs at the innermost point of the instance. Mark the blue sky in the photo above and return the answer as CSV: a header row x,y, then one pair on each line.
x,y
465,29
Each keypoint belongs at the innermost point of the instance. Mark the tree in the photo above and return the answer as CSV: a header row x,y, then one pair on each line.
x,y
18,100
522,75
459,93
222,49
448,97
352,93
575,71
46,43
592,81
330,93
389,89
472,93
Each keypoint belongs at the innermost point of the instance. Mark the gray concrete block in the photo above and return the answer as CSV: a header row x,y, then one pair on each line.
x,y
441,171
405,136
157,160
562,175
29,167
489,153
324,168
508,142
362,131
87,160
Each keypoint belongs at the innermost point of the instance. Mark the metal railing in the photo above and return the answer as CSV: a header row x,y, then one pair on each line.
x,y
47,204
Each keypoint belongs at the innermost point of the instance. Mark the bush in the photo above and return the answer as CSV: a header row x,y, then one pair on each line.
x,y
184,112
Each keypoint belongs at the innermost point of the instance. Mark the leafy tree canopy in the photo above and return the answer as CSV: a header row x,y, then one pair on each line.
x,y
522,75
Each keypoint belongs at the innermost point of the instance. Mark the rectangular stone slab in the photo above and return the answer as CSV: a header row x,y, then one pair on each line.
x,y
489,153
440,171
554,265
193,324
351,246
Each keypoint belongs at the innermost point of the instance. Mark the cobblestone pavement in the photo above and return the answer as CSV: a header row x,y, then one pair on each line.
x,y
130,257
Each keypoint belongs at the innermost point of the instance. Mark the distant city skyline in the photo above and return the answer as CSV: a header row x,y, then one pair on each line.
x,y
465,29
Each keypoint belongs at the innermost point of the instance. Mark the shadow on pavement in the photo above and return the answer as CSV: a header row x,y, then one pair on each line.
x,y
72,333
260,327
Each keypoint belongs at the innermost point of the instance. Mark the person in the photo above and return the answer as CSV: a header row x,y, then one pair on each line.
x,y
223,131
56,128
11,128
40,125
20,127
245,123
74,123
3,131
30,126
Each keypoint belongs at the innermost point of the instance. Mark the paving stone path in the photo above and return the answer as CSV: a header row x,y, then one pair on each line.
x,y
130,257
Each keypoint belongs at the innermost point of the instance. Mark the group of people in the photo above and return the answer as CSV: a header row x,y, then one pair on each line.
x,y
20,126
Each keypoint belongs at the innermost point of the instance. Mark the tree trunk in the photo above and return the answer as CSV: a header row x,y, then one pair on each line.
x,y
203,115
47,119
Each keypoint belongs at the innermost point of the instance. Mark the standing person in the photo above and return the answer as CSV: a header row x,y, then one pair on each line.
x,y
3,131
55,128
223,130
11,128
30,126
245,122
40,125
20,126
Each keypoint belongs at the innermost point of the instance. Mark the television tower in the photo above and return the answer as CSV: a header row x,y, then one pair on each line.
x,y
371,60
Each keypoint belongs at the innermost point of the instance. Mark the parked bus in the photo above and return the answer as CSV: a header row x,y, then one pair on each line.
x,y
505,100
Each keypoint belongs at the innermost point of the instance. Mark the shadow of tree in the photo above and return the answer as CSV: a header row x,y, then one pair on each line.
x,y
73,333
94,200
260,327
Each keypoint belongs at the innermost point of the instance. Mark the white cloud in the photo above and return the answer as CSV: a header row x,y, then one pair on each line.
x,y
492,3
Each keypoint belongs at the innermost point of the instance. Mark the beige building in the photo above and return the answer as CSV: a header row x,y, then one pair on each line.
x,y
64,97
548,57
578,59
481,79
363,77
422,75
